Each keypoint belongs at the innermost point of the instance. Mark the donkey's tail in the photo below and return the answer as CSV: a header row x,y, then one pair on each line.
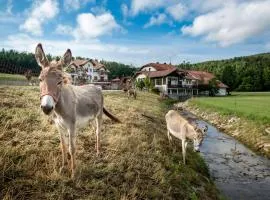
x,y
115,119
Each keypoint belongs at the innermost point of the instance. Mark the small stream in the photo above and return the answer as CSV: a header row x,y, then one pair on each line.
x,y
237,171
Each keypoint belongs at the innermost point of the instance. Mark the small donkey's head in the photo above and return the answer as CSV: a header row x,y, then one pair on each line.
x,y
51,78
199,136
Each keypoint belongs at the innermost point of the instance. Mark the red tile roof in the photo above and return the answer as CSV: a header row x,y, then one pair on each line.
x,y
222,85
155,74
204,77
96,64
79,63
158,66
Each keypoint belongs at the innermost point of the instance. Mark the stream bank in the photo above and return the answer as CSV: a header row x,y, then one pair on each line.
x,y
253,135
237,171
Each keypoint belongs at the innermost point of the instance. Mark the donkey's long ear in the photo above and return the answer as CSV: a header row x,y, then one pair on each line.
x,y
66,59
41,57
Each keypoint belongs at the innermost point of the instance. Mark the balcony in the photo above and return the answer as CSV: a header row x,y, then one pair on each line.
x,y
181,86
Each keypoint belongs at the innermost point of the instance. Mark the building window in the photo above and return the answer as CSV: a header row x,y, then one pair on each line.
x,y
95,78
174,81
174,91
159,81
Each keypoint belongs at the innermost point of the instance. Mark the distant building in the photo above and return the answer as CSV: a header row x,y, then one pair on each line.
x,y
176,82
90,70
203,82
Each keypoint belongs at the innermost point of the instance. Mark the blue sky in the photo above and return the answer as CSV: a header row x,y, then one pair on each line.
x,y
138,31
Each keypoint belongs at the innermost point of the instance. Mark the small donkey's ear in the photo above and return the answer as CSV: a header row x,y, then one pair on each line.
x,y
66,59
41,57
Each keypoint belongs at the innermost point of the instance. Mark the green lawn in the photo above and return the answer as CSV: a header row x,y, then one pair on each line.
x,y
251,105
13,77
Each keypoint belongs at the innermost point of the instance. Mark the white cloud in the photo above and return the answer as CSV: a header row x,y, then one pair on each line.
x,y
144,5
91,26
90,48
177,11
233,23
70,5
7,16
41,12
64,30
9,6
124,9
158,20
161,50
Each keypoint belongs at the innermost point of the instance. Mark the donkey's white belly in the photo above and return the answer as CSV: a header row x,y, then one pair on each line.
x,y
83,121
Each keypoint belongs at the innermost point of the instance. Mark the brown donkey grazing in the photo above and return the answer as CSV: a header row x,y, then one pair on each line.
x,y
132,92
72,106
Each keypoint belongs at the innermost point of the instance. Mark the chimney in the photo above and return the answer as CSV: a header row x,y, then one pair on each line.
x,y
165,63
157,62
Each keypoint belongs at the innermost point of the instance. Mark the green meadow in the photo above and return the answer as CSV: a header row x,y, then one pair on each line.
x,y
250,105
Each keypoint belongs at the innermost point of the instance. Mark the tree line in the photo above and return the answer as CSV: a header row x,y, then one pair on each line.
x,y
247,73
14,62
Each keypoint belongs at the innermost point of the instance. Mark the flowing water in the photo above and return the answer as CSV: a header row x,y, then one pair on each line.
x,y
237,171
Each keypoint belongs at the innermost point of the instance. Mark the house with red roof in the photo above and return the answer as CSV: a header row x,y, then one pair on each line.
x,y
176,82
92,70
203,82
168,79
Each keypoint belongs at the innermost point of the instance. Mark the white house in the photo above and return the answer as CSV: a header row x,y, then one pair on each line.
x,y
92,70
168,79
177,82
203,82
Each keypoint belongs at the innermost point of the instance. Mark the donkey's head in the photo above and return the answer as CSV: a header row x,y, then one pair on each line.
x,y
51,78
198,138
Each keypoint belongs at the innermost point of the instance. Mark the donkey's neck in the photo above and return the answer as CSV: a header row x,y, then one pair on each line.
x,y
65,107
191,133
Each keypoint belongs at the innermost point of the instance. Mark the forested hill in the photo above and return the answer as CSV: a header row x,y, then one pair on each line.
x,y
14,62
247,73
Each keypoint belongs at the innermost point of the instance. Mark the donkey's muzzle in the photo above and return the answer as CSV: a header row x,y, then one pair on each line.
x,y
47,109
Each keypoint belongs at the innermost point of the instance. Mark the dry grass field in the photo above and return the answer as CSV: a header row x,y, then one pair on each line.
x,y
136,161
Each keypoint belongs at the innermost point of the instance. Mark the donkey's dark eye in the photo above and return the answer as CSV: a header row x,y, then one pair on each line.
x,y
59,83
40,80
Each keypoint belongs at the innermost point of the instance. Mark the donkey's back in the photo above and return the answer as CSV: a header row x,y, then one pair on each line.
x,y
175,124
89,103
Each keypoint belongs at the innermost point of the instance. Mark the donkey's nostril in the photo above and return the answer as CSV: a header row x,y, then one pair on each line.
x,y
46,109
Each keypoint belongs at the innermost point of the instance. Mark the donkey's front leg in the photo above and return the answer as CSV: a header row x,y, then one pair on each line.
x,y
98,130
184,146
72,150
63,147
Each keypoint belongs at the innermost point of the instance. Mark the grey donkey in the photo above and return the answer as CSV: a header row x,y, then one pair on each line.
x,y
72,106
179,127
